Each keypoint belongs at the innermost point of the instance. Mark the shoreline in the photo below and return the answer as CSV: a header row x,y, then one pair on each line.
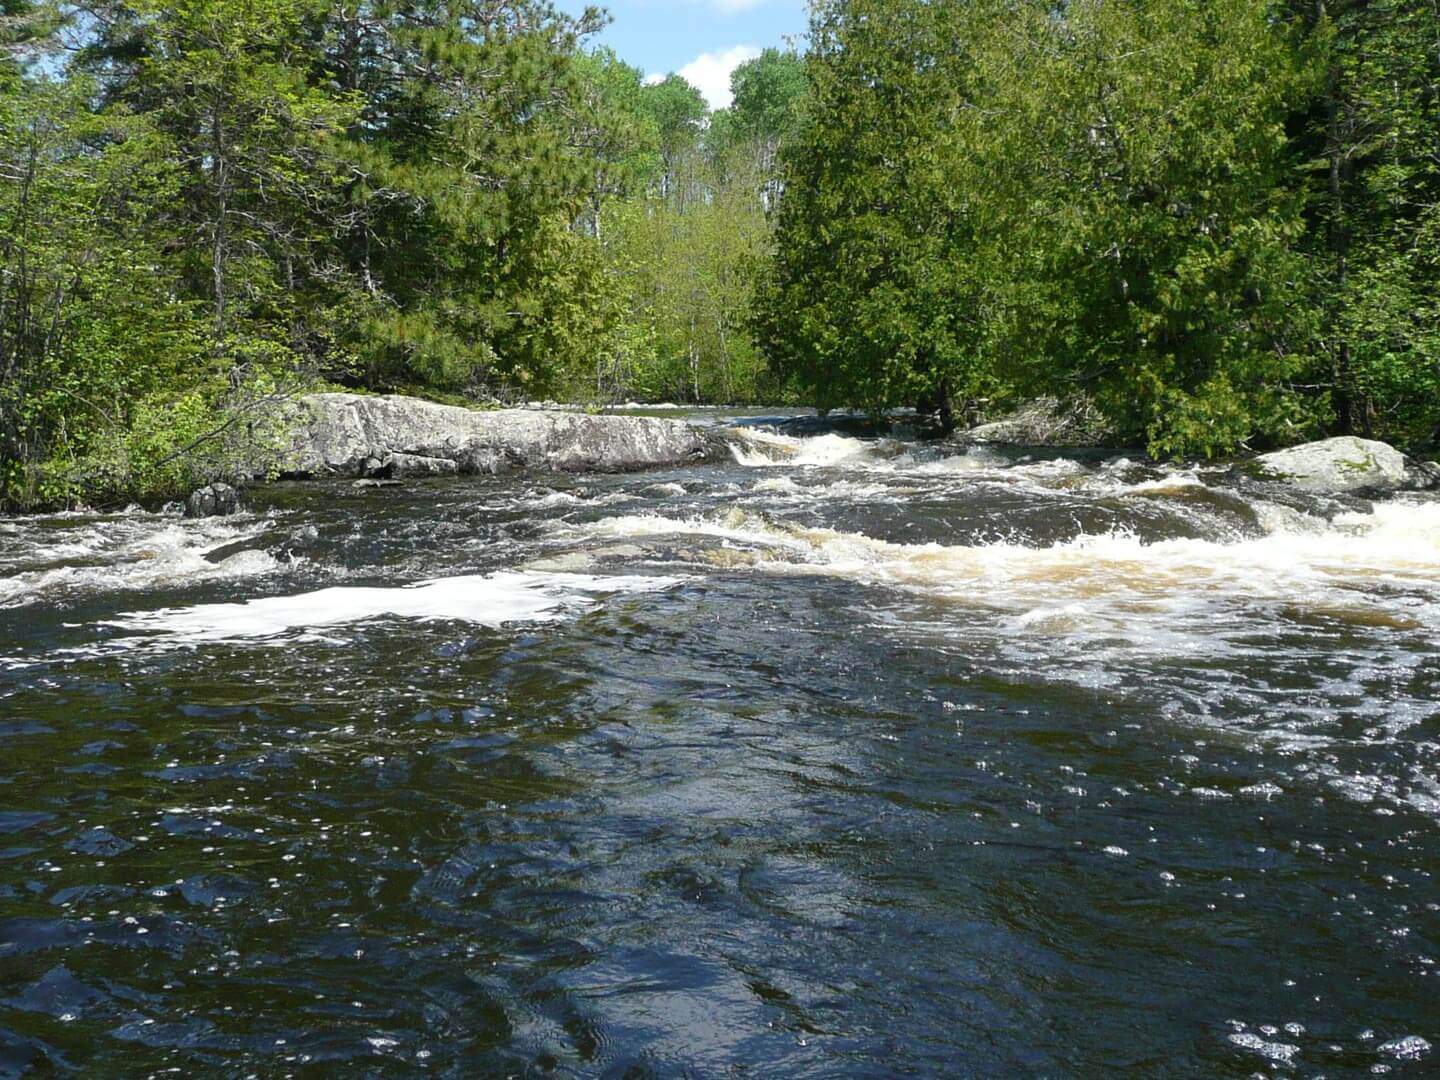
x,y
382,440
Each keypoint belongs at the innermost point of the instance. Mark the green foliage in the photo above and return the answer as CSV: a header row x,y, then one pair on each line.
x,y
770,93
872,297
23,24
1218,221
87,324
252,142
482,128
681,256
682,269
992,197
1176,236
226,194
621,131
678,111
1374,193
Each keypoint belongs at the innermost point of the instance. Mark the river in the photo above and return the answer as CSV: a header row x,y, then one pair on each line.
x,y
848,758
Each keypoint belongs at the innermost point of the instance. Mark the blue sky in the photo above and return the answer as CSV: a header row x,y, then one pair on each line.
x,y
701,39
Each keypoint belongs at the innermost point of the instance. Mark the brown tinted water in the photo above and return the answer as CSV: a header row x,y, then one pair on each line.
x,y
850,758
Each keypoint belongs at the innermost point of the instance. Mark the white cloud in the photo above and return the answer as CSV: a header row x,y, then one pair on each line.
x,y
710,72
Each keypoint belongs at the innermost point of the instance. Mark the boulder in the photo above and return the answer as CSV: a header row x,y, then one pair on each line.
x,y
1336,466
213,500
357,436
1423,476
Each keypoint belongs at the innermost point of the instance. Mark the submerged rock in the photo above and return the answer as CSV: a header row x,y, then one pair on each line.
x,y
296,544
214,500
1341,464
361,436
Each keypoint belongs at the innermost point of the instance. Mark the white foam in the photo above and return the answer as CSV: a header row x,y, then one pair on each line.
x,y
785,489
128,553
1399,542
827,450
485,600
1113,593
554,498
1110,610
1280,1053
1180,481
777,485
979,461
883,463
887,472
759,449
764,450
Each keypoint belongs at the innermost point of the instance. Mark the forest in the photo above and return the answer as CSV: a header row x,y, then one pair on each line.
x,y
1217,223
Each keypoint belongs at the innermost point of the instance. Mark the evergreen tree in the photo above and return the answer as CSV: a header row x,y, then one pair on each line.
x,y
1177,290
227,82
1374,192
473,171
1088,201
872,296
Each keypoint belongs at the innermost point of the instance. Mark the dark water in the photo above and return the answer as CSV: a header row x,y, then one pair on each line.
x,y
856,759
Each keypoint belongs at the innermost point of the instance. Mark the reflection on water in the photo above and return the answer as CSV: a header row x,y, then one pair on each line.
x,y
848,758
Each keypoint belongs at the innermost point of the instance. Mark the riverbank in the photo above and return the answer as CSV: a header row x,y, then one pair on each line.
x,y
393,439
396,438
352,435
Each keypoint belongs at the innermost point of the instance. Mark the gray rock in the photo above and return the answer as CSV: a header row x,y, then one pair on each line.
x,y
1338,465
295,545
357,436
1423,476
214,500
405,466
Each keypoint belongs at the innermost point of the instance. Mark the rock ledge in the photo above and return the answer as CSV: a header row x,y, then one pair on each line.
x,y
355,435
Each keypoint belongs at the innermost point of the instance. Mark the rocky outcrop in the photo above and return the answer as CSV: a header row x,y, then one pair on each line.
x,y
1337,466
213,500
361,436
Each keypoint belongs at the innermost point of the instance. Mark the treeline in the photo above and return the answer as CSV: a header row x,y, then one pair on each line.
x,y
1216,220
681,214
209,203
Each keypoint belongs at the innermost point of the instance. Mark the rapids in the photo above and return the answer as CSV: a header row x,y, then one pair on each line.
x,y
850,757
